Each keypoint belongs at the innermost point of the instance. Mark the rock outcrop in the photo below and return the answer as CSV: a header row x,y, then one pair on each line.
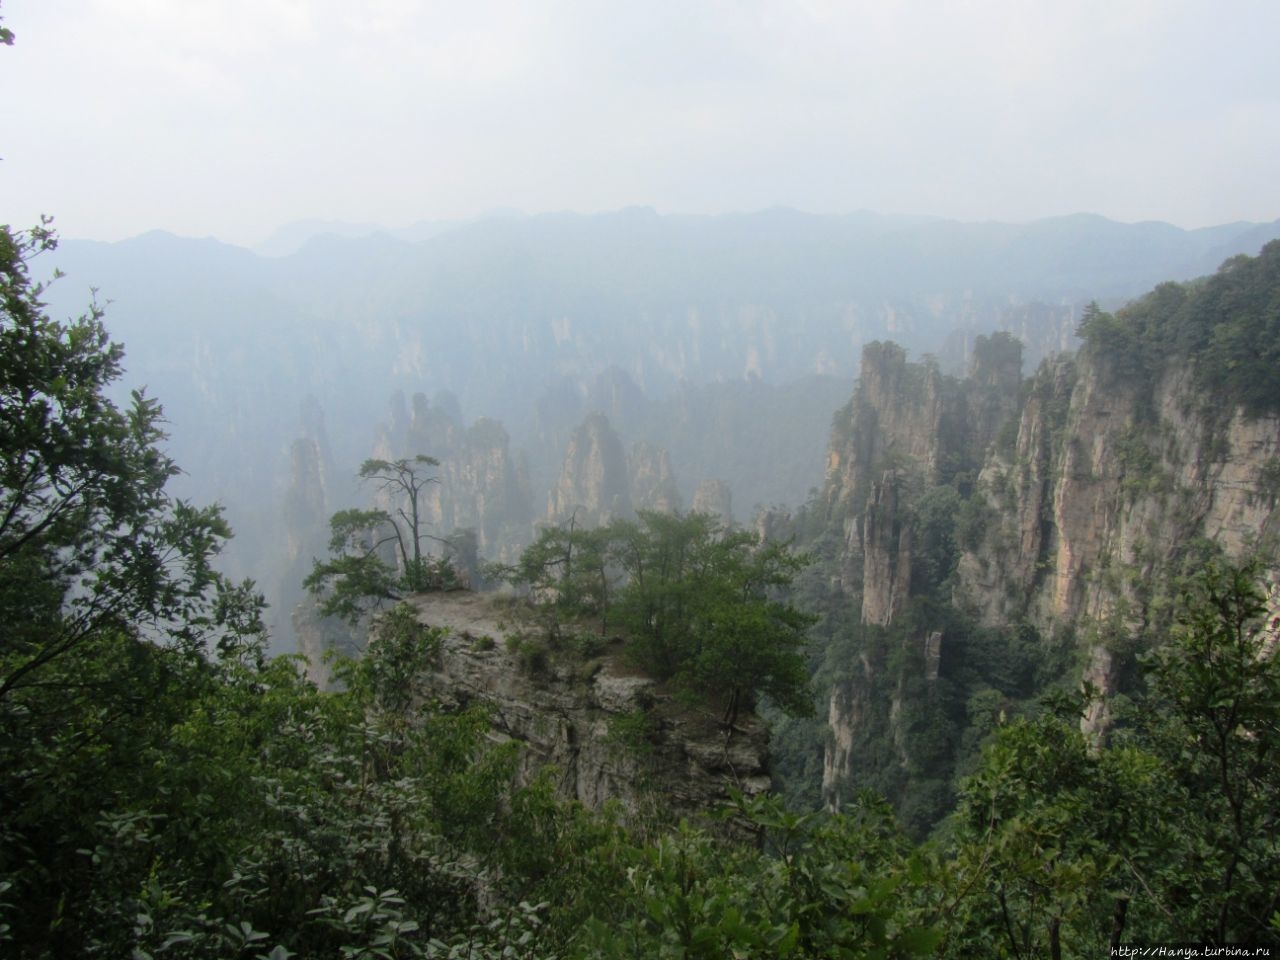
x,y
319,636
714,497
1109,495
908,424
907,429
1008,553
608,733
886,552
483,488
594,482
481,485
308,503
653,485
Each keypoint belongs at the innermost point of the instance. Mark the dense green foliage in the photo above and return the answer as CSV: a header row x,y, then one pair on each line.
x,y
235,808
1214,726
921,735
1166,834
698,604
922,716
90,543
918,737
1227,325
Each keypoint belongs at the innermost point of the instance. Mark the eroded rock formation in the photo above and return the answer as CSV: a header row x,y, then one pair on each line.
x,y
714,497
1081,496
594,482
653,485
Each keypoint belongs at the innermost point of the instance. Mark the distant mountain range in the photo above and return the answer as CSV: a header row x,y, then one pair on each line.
x,y
1083,242
292,236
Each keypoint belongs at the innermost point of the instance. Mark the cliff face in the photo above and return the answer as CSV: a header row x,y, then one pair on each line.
x,y
908,429
304,514
305,504
1008,551
1123,495
886,552
653,485
714,497
608,733
306,521
484,488
318,636
599,482
1103,505
1064,509
896,411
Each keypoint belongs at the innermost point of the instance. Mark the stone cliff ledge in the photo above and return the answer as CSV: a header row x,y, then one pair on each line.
x,y
609,732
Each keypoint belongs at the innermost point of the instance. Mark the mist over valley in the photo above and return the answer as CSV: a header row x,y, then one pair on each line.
x,y
725,342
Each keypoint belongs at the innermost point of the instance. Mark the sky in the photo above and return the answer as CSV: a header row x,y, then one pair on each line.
x,y
230,118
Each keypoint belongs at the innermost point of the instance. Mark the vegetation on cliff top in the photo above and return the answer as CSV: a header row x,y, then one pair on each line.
x,y
1227,325
698,604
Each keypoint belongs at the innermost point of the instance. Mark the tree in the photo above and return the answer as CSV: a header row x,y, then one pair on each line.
x,y
377,553
546,565
571,567
1169,833
110,607
846,886
708,607
749,641
698,604
90,541
660,556
1048,833
1215,722
166,789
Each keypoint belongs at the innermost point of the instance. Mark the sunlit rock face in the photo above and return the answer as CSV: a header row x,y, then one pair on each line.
x,y
907,424
907,428
1072,470
1105,499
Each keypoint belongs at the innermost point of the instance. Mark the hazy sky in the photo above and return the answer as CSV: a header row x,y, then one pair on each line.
x,y
231,117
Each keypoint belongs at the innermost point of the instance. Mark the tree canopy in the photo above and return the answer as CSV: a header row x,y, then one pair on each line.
x,y
1227,325
91,543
